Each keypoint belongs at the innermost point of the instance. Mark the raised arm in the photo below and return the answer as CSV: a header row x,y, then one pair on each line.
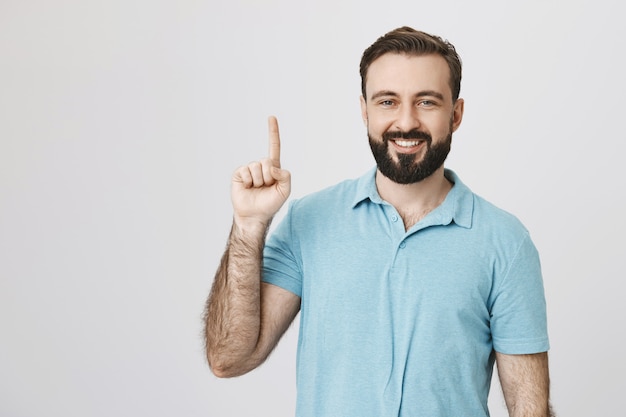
x,y
244,318
525,383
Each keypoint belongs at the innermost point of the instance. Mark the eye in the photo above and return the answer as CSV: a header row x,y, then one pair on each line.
x,y
386,103
426,103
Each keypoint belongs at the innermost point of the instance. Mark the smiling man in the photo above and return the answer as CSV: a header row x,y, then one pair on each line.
x,y
410,287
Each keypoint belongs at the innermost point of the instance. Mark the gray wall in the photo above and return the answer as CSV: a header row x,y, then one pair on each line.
x,y
122,121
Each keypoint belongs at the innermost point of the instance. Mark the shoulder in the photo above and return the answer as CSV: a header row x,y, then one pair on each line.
x,y
499,225
483,215
332,197
491,213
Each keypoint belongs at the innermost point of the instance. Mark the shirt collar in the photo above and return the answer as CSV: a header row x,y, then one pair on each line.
x,y
458,205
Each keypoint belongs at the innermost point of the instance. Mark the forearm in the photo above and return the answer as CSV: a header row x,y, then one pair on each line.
x,y
531,410
526,384
233,316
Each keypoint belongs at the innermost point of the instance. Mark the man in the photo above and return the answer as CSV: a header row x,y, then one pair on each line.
x,y
409,285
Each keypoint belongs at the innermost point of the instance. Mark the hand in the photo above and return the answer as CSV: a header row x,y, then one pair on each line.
x,y
260,188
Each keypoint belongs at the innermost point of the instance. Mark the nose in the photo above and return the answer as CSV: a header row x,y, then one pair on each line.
x,y
408,118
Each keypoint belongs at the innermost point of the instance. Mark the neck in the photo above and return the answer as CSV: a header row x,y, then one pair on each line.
x,y
414,201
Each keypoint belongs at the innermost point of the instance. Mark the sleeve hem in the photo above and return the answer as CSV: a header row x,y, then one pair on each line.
x,y
286,285
510,347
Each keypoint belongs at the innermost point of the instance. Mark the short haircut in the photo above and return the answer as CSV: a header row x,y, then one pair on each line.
x,y
408,41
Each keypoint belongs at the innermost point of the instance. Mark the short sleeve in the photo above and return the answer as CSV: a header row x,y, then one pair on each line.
x,y
518,309
280,265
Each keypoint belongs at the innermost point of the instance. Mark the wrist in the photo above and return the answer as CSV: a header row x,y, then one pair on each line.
x,y
250,227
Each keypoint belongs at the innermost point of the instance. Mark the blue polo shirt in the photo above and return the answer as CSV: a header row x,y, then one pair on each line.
x,y
397,323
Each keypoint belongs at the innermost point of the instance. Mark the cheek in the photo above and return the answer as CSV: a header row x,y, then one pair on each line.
x,y
437,125
378,125
374,130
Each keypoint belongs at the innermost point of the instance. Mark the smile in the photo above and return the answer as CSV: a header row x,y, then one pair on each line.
x,y
407,143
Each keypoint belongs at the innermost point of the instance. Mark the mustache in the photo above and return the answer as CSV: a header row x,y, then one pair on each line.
x,y
411,134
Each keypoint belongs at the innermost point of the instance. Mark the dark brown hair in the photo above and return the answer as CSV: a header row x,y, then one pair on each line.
x,y
406,40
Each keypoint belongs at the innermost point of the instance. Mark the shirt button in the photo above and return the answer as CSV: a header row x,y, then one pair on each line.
x,y
394,218
402,245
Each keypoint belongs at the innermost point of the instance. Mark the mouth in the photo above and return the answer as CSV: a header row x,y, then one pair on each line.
x,y
407,145
404,143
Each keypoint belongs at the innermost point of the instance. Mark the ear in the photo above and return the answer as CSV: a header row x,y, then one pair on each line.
x,y
457,113
364,110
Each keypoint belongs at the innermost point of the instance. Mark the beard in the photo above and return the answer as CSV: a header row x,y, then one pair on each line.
x,y
407,170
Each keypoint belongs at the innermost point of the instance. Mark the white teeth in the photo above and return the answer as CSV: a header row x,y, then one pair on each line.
x,y
407,143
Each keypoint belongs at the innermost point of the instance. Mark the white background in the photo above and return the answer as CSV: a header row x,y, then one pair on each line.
x,y
122,121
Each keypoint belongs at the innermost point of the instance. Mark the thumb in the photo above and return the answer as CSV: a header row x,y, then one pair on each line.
x,y
280,175
283,181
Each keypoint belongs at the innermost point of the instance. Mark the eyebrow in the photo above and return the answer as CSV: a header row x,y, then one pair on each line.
x,y
425,93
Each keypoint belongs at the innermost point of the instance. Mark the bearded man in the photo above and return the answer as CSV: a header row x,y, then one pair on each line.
x,y
409,286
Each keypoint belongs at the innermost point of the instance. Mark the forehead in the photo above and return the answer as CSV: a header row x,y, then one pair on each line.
x,y
408,74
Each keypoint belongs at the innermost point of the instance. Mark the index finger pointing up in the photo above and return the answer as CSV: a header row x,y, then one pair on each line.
x,y
274,137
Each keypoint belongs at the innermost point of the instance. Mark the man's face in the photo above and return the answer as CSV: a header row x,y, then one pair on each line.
x,y
409,115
